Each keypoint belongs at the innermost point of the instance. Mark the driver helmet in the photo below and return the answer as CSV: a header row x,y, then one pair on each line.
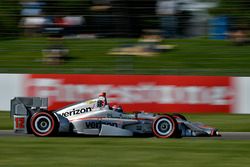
x,y
102,101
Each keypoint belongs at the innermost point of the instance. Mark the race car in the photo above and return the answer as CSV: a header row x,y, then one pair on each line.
x,y
96,117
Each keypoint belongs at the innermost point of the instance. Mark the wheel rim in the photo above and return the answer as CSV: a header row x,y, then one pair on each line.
x,y
164,126
43,124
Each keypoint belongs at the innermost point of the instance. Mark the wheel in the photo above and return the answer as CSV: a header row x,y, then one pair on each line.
x,y
164,126
175,115
29,130
43,124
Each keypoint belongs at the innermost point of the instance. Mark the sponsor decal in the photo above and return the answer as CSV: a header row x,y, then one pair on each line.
x,y
150,93
147,93
97,125
76,112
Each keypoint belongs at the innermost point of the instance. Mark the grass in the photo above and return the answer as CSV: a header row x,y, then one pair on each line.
x,y
5,121
230,123
29,151
191,57
137,152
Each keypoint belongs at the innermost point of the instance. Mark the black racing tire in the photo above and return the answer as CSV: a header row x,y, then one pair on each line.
x,y
44,124
164,126
29,130
176,115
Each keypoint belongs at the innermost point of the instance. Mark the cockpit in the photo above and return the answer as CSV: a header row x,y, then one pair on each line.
x,y
117,108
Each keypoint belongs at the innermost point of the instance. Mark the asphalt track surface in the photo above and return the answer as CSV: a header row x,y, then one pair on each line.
x,y
224,135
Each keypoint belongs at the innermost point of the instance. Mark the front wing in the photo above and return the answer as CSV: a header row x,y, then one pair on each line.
x,y
191,129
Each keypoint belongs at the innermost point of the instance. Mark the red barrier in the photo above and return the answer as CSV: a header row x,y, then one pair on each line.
x,y
150,93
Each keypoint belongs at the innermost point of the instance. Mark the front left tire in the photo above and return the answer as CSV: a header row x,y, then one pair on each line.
x,y
164,126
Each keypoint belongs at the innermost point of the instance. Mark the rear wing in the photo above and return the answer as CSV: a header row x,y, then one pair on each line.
x,y
22,108
25,105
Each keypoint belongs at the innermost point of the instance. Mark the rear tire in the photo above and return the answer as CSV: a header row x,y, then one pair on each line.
x,y
43,124
164,126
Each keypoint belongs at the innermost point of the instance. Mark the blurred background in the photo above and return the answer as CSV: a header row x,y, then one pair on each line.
x,y
71,50
158,37
209,37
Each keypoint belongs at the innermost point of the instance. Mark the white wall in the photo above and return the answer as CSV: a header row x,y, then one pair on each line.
x,y
11,85
242,96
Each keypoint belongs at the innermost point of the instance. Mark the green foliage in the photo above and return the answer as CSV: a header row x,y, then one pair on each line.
x,y
9,17
66,7
237,10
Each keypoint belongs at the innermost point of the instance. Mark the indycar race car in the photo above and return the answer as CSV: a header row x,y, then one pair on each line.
x,y
96,117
